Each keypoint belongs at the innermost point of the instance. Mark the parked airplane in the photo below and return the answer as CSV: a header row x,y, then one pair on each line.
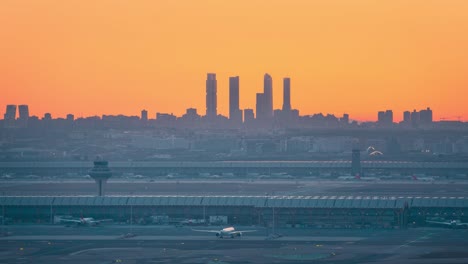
x,y
449,223
416,178
358,177
84,221
228,232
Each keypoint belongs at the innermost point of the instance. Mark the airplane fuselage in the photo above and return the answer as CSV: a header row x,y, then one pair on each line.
x,y
227,232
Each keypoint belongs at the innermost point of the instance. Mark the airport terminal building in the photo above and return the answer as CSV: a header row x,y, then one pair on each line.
x,y
268,211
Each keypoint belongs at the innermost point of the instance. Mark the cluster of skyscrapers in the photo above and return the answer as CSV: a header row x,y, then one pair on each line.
x,y
264,101
264,116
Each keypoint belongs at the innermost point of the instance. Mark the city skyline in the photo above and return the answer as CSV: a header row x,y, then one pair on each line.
x,y
264,113
119,57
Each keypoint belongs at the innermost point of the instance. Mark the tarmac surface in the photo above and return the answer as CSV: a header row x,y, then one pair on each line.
x,y
167,244
239,187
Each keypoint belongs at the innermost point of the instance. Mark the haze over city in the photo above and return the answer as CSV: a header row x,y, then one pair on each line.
x,y
118,57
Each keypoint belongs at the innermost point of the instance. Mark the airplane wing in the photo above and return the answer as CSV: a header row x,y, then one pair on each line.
x,y
103,220
70,221
207,231
439,223
237,232
244,231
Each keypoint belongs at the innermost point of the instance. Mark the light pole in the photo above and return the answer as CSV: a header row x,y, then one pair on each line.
x,y
273,209
131,218
51,215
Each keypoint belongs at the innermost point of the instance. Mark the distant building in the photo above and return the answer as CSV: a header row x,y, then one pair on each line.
x,y
407,117
287,94
23,115
10,116
295,113
191,112
235,114
345,119
389,117
385,117
144,115
268,92
10,113
47,117
70,117
425,116
260,106
163,119
211,95
415,118
249,117
23,112
190,117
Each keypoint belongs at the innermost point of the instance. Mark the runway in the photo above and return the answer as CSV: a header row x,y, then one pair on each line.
x,y
174,238
239,187
422,245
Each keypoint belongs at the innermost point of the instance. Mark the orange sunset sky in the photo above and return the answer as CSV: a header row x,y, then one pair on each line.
x,y
94,57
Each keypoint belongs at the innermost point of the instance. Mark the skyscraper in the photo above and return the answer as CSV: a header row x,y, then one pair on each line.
x,y
260,107
407,117
389,117
211,97
385,117
10,113
415,118
144,115
286,94
235,114
10,116
268,92
23,112
23,115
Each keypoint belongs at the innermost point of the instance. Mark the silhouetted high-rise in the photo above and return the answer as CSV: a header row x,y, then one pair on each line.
x,y
10,116
425,116
268,92
286,94
144,115
260,107
385,117
407,117
415,117
235,113
23,115
23,111
10,113
211,97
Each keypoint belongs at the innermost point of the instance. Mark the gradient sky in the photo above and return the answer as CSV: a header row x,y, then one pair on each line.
x,y
94,57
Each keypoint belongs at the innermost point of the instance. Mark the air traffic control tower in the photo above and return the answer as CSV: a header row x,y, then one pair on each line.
x,y
100,173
